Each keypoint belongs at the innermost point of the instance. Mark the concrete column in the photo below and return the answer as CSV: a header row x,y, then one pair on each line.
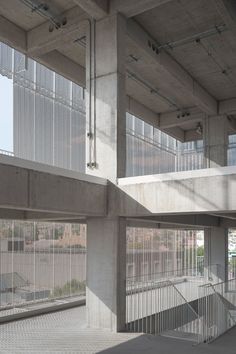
x,y
216,252
106,157
215,137
215,140
106,270
106,97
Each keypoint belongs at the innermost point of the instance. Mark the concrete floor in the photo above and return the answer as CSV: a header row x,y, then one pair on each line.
x,y
66,332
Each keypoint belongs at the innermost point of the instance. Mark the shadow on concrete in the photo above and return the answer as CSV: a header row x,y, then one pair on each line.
x,y
149,344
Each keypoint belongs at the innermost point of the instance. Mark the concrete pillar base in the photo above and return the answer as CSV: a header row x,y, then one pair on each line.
x,y
216,253
106,273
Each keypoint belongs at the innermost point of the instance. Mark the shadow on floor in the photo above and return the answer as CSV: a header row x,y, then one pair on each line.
x,y
148,344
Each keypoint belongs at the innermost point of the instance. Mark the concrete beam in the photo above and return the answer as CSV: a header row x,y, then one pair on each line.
x,y
139,110
175,132
228,223
47,189
13,214
227,10
41,41
64,66
150,224
227,106
132,8
201,191
97,9
12,35
30,215
177,118
199,220
232,123
227,215
171,68
192,135
147,115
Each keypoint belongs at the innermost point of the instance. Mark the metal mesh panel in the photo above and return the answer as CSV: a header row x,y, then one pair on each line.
x,y
150,151
40,261
23,77
49,113
77,141
5,60
43,129
231,150
44,80
63,89
23,122
154,253
62,136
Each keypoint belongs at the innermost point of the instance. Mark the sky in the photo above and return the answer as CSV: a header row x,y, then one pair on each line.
x,y
6,114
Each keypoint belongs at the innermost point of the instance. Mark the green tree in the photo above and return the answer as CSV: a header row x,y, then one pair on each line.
x,y
200,251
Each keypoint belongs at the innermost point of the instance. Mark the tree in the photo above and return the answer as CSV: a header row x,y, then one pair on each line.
x,y
200,251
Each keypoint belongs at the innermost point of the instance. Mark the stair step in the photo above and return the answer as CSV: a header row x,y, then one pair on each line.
x,y
189,336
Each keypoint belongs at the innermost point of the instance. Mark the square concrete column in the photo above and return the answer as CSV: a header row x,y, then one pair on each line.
x,y
106,272
106,157
106,97
215,139
216,253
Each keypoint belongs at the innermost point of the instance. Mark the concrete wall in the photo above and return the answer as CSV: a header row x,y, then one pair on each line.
x,y
201,191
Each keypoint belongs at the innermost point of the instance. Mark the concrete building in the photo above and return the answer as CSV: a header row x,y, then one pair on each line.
x,y
155,148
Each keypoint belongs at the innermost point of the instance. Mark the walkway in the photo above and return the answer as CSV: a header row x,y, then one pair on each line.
x,y
65,332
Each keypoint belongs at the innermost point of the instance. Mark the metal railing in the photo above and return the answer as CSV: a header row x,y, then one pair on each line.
x,y
168,303
231,267
231,153
161,308
191,159
210,273
217,308
157,153
5,152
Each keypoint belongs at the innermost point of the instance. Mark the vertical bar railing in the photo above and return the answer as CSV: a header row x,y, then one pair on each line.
x,y
5,152
214,307
158,307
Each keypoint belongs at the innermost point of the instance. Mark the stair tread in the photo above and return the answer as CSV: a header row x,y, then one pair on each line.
x,y
181,335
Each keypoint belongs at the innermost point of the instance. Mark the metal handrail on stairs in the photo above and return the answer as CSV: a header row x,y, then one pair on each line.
x,y
161,308
212,309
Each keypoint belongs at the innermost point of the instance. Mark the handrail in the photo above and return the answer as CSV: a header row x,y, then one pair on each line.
x,y
187,303
146,309
174,272
217,294
148,300
221,282
214,316
6,152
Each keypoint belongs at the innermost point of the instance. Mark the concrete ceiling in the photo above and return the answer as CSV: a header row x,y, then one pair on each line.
x,y
18,13
205,60
195,68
